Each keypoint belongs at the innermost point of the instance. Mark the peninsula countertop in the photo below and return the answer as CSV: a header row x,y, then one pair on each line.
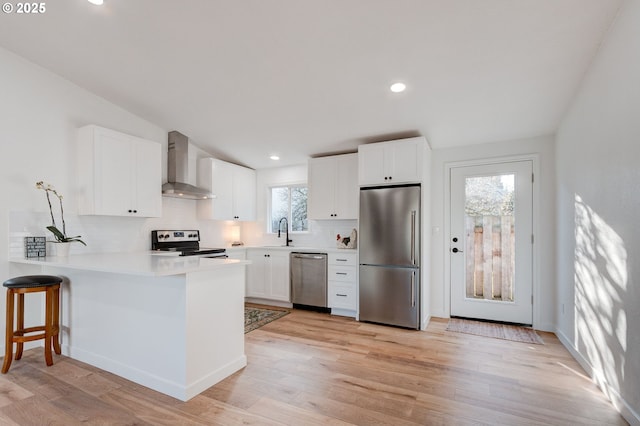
x,y
134,263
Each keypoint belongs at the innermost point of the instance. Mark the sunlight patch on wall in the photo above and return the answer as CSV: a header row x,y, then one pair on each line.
x,y
601,279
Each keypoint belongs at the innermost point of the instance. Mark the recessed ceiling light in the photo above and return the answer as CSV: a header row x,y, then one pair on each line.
x,y
398,87
274,157
96,2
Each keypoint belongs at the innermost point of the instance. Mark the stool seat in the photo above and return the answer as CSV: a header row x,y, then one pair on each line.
x,y
16,288
28,281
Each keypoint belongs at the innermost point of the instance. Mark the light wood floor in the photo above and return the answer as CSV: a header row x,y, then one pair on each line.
x,y
309,368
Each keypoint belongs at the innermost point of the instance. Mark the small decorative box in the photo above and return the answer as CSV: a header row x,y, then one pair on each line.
x,y
35,247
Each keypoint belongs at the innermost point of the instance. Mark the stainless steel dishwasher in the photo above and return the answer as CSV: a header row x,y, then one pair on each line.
x,y
308,279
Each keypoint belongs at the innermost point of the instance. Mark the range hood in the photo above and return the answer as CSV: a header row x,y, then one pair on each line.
x,y
178,171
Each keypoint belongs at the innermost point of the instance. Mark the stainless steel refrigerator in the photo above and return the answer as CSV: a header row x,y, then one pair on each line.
x,y
390,255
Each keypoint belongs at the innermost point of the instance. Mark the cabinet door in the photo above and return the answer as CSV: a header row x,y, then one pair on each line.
x,y
120,175
222,188
217,176
148,178
238,254
114,168
371,162
280,285
244,194
322,176
405,161
389,163
257,274
346,187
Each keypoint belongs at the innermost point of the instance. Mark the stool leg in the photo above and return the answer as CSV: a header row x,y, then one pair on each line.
x,y
19,326
48,357
8,341
56,320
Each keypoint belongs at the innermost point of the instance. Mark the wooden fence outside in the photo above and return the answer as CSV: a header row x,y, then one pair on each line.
x,y
490,258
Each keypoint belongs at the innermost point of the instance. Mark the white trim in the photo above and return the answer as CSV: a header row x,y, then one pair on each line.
x,y
269,302
177,390
535,159
600,380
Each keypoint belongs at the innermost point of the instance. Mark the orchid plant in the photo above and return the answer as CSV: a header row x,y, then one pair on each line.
x,y
60,236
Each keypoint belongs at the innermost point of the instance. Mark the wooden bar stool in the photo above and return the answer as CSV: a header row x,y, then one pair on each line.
x,y
49,284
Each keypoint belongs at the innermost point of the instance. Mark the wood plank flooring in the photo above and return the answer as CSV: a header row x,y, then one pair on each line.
x,y
309,368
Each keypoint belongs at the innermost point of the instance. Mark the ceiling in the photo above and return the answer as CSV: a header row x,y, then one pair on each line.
x,y
300,78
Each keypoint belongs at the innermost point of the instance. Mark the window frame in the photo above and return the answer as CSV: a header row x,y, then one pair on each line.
x,y
269,220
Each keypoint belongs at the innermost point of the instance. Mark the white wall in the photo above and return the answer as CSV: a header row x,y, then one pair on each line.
x,y
39,113
544,270
598,148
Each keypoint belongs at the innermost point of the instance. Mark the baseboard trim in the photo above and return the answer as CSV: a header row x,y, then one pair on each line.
x,y
178,390
629,414
268,302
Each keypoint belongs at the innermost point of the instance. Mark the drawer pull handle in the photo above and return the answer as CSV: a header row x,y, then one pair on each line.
x,y
341,295
341,260
341,273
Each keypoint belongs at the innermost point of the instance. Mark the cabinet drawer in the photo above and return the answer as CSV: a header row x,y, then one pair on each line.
x,y
348,259
342,297
342,273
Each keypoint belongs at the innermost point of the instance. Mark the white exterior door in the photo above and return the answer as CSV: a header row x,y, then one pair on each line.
x,y
490,245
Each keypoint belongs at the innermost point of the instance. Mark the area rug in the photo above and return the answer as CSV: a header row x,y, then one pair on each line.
x,y
257,317
496,330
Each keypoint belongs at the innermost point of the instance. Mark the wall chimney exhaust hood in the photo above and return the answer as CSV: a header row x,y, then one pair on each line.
x,y
178,171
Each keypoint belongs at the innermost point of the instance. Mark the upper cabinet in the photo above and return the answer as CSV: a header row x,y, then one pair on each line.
x,y
393,162
333,187
233,187
118,174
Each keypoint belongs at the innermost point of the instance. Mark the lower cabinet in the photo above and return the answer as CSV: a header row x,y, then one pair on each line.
x,y
238,254
268,274
342,283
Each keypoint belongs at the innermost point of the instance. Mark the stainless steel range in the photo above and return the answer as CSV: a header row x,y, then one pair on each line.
x,y
183,243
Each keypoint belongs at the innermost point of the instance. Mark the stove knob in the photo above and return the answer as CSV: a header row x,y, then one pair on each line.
x,y
160,236
166,235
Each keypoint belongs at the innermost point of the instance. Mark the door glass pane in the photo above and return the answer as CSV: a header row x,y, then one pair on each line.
x,y
490,237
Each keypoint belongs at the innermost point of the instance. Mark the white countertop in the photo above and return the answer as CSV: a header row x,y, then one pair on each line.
x,y
137,263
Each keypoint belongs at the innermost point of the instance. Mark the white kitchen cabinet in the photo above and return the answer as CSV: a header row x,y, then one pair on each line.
x,y
333,187
392,162
237,253
234,189
268,274
118,174
342,283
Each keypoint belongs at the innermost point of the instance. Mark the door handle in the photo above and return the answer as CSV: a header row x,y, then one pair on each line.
x,y
413,289
455,250
413,237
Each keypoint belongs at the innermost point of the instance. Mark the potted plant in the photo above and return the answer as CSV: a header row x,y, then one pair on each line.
x,y
60,236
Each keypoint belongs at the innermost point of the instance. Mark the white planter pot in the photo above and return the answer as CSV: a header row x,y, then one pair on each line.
x,y
55,248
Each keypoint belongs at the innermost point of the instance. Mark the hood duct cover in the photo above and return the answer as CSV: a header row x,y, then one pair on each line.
x,y
178,171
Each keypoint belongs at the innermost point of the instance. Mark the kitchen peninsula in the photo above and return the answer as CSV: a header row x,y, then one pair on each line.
x,y
173,324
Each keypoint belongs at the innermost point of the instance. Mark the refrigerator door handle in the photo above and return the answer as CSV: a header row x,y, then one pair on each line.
x,y
413,289
413,237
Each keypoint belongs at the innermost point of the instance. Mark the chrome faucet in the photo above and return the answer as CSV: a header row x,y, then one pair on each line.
x,y
286,222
